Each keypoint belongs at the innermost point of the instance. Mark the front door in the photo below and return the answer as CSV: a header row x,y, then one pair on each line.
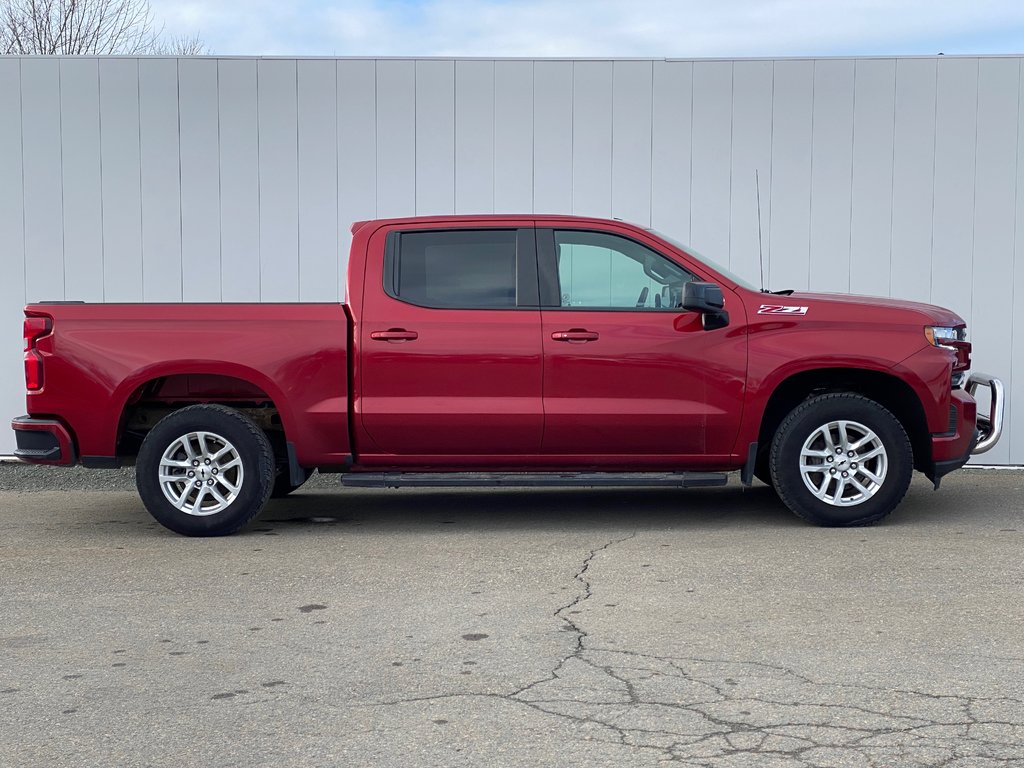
x,y
627,372
450,352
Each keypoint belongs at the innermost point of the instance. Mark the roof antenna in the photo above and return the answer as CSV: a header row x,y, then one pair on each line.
x,y
760,246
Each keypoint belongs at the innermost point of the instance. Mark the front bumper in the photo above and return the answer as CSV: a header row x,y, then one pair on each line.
x,y
42,441
970,433
989,427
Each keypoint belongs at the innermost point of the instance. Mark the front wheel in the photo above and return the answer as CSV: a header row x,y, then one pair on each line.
x,y
205,470
841,460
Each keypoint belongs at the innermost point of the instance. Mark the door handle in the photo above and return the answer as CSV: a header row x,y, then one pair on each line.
x,y
575,335
394,335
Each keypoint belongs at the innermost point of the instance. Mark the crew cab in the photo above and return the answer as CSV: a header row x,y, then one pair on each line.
x,y
509,350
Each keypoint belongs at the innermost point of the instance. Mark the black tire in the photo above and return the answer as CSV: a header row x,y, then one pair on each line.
x,y
283,484
254,472
803,422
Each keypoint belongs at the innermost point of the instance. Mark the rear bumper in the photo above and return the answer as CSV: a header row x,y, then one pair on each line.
x,y
970,433
42,441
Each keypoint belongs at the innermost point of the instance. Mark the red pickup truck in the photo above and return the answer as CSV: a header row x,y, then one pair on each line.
x,y
509,350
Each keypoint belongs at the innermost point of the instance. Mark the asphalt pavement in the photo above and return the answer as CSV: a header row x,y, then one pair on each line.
x,y
511,628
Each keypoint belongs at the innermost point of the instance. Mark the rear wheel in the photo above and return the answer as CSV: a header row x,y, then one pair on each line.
x,y
205,470
841,460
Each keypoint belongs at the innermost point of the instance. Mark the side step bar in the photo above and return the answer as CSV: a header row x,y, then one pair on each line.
x,y
533,479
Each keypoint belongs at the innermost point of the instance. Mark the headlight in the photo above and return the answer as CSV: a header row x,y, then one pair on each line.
x,y
944,336
955,340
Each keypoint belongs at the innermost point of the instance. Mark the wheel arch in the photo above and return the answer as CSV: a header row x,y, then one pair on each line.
x,y
170,387
888,390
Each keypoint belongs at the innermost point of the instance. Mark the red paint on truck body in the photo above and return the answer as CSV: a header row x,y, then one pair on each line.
x,y
98,355
377,382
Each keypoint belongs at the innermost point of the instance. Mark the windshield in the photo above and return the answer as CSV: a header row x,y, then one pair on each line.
x,y
702,258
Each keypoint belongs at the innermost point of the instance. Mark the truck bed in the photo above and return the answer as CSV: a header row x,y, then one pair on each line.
x,y
107,365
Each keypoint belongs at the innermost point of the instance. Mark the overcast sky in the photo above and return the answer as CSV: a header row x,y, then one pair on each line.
x,y
655,28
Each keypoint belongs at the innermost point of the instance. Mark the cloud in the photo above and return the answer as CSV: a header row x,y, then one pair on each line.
x,y
581,28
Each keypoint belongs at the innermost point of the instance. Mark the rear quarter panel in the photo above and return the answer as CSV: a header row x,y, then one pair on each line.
x,y
98,355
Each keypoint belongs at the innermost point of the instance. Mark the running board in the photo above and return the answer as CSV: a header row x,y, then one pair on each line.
x,y
533,479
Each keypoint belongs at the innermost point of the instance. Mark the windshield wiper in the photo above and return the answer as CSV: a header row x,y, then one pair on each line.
x,y
786,292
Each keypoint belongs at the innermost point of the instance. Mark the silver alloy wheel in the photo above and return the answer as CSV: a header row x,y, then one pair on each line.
x,y
843,463
201,473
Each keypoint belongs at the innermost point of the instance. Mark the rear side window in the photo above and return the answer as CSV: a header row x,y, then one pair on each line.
x,y
455,269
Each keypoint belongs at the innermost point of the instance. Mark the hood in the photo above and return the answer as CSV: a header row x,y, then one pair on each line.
x,y
866,308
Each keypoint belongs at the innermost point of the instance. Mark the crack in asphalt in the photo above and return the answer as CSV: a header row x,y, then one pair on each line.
x,y
560,613
713,712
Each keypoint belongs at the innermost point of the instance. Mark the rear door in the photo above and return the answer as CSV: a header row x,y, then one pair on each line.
x,y
627,372
450,351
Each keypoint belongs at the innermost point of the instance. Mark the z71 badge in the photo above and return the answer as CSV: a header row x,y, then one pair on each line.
x,y
780,309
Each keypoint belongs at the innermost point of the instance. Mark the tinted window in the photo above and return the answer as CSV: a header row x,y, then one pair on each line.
x,y
457,269
603,271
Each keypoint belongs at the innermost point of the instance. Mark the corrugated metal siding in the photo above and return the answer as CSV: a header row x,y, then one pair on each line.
x,y
212,179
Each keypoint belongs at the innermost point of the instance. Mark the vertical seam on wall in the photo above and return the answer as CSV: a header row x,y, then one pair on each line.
x,y
494,142
455,130
771,177
220,183
21,138
181,216
415,136
259,189
220,188
767,269
532,135
572,129
892,166
935,154
732,120
611,173
376,138
1013,253
650,222
376,144
650,177
611,159
455,134
853,167
689,196
974,186
336,260
60,156
103,229
298,195
142,189
138,124
810,180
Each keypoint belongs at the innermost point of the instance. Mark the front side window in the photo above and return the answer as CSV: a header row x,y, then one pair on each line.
x,y
597,270
455,269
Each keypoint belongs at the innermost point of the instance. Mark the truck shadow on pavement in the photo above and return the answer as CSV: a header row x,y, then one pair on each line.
x,y
585,509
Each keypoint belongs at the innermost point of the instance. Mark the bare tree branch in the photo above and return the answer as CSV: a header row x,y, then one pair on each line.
x,y
181,45
88,27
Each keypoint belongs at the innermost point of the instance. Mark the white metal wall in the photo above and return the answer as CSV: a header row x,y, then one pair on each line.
x,y
206,179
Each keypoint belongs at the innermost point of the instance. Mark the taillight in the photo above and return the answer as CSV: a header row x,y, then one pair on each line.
x,y
35,327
